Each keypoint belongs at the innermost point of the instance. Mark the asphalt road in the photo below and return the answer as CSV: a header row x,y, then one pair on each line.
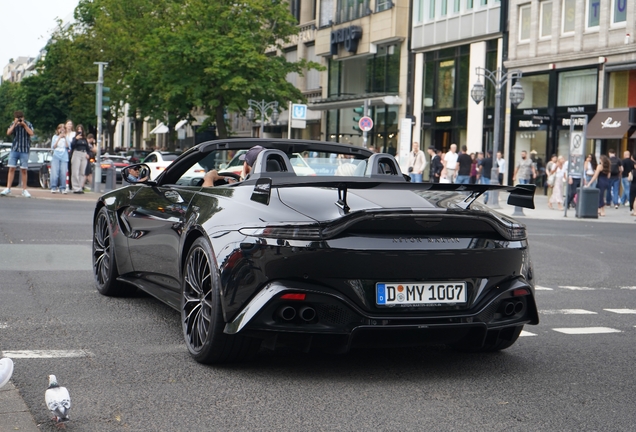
x,y
128,369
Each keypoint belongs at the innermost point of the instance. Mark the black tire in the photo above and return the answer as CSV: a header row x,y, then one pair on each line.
x,y
104,264
45,180
201,314
496,340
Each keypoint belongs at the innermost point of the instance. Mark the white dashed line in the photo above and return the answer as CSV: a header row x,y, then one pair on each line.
x,y
575,288
586,330
525,333
31,354
622,311
629,288
567,312
542,288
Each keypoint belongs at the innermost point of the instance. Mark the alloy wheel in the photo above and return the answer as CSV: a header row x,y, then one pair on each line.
x,y
101,250
197,299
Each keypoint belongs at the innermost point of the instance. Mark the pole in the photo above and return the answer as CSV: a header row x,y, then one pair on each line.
x,y
365,134
289,120
97,177
494,172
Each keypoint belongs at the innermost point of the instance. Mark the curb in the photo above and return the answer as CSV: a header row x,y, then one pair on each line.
x,y
14,413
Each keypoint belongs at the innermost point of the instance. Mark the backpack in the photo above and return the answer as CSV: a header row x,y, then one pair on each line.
x,y
614,166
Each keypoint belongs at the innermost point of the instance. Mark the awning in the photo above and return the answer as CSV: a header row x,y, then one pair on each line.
x,y
161,128
609,124
180,124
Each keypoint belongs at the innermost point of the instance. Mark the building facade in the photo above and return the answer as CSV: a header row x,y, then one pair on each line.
x,y
578,58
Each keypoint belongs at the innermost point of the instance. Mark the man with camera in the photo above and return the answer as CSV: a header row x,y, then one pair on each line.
x,y
22,131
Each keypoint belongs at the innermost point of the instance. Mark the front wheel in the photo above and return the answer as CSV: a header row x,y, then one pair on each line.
x,y
201,314
104,264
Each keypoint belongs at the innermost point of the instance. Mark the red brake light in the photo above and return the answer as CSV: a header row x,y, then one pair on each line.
x,y
293,296
520,292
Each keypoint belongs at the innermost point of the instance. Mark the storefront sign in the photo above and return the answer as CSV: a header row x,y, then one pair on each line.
x,y
610,123
528,124
576,110
443,119
577,121
348,36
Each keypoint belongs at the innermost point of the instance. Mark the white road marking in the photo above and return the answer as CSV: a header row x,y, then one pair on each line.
x,y
567,312
525,333
586,330
629,288
622,311
542,288
575,288
3,325
31,354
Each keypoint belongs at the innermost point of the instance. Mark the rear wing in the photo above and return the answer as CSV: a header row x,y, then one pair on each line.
x,y
520,195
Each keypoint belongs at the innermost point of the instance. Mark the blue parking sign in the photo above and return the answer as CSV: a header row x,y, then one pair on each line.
x,y
299,111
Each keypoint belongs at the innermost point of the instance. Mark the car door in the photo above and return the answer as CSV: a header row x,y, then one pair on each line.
x,y
154,223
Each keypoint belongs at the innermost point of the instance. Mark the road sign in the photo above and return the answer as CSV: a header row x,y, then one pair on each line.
x,y
366,124
299,112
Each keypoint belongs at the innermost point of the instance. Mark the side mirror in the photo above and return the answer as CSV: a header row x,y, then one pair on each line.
x,y
222,166
138,173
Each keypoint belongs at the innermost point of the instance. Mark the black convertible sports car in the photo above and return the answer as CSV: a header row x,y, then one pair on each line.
x,y
354,256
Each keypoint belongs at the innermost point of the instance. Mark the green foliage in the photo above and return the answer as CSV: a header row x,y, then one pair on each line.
x,y
11,99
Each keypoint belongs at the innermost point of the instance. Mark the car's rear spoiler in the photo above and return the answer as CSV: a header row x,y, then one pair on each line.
x,y
520,195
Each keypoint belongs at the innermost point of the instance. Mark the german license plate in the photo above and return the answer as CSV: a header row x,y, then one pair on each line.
x,y
420,293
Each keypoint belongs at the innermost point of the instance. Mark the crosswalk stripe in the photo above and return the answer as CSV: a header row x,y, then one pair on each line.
x,y
629,287
31,354
526,333
567,312
622,311
586,330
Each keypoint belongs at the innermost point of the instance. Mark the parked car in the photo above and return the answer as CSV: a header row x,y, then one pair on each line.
x,y
360,258
118,162
39,161
301,167
158,161
135,156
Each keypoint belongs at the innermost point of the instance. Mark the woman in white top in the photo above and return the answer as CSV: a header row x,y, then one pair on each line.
x,y
557,189
59,161
589,166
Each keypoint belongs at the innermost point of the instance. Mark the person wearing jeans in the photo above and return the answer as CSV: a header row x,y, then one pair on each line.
x,y
628,166
59,161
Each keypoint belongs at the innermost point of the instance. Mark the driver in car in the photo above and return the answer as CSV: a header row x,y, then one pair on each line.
x,y
133,175
248,159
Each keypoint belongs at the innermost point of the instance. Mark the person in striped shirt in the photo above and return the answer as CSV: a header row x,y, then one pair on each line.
x,y
22,131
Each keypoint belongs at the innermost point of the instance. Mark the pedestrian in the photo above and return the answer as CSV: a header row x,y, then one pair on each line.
x,y
627,165
485,172
450,164
436,165
474,171
574,182
602,174
416,163
90,138
464,164
70,134
22,131
59,160
524,172
501,165
550,170
614,179
589,166
79,159
559,173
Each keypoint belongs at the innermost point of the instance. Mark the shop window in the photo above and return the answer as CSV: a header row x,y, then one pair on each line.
x,y
546,19
536,92
429,85
524,23
446,87
383,70
349,10
530,140
593,13
569,14
334,78
619,11
382,5
622,89
577,87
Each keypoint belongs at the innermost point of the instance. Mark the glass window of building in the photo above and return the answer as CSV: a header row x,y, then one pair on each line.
x,y
313,75
622,89
569,14
431,9
469,4
382,5
292,56
484,2
444,7
456,6
593,13
619,11
446,87
546,19
334,78
326,12
577,87
536,92
349,10
383,70
524,23
429,85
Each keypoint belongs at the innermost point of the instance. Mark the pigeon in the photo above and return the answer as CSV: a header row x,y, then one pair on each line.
x,y
6,370
58,401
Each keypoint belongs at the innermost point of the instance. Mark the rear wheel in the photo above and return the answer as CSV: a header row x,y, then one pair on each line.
x,y
201,314
496,340
104,264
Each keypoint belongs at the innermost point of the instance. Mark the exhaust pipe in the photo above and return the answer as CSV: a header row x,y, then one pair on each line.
x,y
518,307
286,313
509,309
307,313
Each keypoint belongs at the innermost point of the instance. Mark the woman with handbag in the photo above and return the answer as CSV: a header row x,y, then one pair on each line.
x,y
550,170
602,174
559,180
589,166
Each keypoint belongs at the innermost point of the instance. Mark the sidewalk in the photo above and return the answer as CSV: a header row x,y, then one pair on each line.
x,y
14,414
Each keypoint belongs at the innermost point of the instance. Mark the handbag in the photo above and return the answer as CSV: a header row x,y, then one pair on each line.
x,y
551,178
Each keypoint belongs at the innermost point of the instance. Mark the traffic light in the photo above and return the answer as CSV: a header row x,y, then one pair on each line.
x,y
358,113
105,99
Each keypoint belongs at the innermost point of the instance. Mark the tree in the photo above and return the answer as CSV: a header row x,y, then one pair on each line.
x,y
11,100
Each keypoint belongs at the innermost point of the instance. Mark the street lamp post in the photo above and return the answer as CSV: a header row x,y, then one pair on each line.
x,y
499,79
262,107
